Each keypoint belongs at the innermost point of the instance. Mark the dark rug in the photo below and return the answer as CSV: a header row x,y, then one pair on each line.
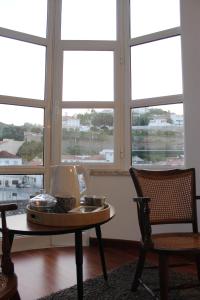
x,y
118,287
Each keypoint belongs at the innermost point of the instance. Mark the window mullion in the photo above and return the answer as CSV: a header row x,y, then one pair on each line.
x,y
156,36
24,37
56,86
124,82
172,99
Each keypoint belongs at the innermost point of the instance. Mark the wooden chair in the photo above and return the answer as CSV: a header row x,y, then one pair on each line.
x,y
8,279
165,197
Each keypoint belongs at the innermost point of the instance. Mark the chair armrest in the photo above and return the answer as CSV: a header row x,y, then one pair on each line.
x,y
141,199
7,207
197,197
6,262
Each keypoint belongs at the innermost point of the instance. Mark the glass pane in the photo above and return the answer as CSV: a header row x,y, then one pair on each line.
x,y
88,20
25,16
156,69
19,189
87,136
153,16
88,76
158,136
21,135
22,71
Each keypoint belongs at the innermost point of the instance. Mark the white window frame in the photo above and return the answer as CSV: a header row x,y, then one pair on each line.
x,y
147,102
58,104
45,104
53,104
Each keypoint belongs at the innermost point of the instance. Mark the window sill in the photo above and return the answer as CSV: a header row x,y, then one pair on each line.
x,y
108,173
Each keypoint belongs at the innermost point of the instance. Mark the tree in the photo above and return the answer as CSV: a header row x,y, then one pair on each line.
x,y
13,132
37,129
10,131
29,150
85,119
141,120
102,119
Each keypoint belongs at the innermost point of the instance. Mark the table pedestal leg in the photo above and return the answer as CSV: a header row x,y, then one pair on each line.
x,y
79,263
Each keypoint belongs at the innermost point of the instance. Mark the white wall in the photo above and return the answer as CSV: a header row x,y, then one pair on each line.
x,y
119,191
191,82
191,85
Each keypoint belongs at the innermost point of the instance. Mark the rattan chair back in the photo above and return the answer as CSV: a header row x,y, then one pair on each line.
x,y
172,194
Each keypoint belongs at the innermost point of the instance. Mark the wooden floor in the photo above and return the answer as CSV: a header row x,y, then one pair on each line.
x,y
41,272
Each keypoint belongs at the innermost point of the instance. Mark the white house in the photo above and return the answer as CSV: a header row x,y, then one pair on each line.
x,y
108,153
158,123
70,122
177,119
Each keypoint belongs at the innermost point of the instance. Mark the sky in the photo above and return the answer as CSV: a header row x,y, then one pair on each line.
x,y
152,16
18,115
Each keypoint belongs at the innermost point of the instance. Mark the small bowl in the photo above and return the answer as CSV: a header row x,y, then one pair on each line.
x,y
94,200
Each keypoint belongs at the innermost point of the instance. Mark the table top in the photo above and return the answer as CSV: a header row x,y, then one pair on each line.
x,y
18,224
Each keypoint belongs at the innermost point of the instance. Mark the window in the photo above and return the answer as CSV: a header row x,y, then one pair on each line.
x,y
22,70
152,68
157,135
24,99
14,182
86,89
153,16
21,135
21,15
79,81
19,188
87,136
88,76
82,20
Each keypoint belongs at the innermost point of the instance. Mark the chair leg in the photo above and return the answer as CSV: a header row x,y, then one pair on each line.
x,y
139,269
198,265
163,275
16,296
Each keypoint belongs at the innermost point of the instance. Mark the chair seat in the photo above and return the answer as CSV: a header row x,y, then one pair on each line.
x,y
8,286
172,242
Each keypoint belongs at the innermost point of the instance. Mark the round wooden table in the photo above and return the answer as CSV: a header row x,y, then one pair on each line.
x,y
19,225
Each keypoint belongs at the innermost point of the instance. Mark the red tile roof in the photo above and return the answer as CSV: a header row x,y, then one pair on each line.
x,y
5,154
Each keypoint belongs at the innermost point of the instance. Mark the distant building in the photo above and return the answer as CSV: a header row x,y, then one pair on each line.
x,y
108,154
158,123
8,159
19,187
177,119
137,160
69,122
9,180
21,181
84,128
32,136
